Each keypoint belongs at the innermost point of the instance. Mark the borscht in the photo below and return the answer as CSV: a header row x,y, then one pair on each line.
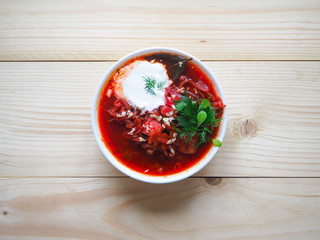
x,y
159,114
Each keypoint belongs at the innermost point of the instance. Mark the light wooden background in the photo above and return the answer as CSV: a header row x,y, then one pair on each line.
x,y
264,183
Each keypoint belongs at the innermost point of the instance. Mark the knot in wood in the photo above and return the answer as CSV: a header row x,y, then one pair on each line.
x,y
213,181
247,128
5,213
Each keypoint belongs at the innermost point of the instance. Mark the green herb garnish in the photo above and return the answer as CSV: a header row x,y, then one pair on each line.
x,y
161,85
216,142
151,84
201,117
195,119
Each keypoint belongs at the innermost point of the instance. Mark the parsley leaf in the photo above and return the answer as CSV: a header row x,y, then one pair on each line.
x,y
180,106
201,117
216,142
204,103
195,119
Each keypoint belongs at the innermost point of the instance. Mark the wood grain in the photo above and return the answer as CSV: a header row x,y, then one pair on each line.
x,y
234,209
273,126
211,30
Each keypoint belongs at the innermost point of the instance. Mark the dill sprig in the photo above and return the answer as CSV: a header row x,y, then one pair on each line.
x,y
151,84
161,85
195,119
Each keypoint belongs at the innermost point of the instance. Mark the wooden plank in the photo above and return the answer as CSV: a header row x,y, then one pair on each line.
x,y
211,30
273,126
234,209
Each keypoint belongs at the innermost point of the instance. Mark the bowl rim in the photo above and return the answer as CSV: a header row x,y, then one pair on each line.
x,y
126,170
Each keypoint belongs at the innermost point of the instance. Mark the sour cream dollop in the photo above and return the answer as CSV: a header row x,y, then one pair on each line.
x,y
130,84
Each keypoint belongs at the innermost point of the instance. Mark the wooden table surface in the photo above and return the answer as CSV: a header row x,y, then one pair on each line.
x,y
264,183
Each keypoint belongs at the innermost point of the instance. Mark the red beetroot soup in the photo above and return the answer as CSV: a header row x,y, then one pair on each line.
x,y
152,141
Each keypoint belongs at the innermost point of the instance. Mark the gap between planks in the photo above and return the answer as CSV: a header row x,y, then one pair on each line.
x,y
202,60
125,177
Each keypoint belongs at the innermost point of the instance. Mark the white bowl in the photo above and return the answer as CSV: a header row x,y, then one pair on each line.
x,y
140,176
